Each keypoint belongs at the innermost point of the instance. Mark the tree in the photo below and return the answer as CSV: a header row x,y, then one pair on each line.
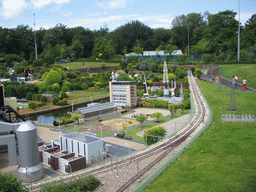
x,y
141,118
138,48
172,108
10,183
170,48
248,33
52,77
157,131
77,48
128,34
64,120
110,49
184,25
75,116
221,31
156,116
202,47
198,72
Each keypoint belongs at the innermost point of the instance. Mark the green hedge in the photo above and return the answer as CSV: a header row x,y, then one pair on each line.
x,y
89,183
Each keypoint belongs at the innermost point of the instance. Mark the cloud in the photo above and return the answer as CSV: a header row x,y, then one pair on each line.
x,y
68,14
41,3
114,21
11,8
113,4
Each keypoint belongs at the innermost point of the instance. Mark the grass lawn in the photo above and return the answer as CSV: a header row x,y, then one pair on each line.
x,y
134,131
82,96
79,65
241,70
222,158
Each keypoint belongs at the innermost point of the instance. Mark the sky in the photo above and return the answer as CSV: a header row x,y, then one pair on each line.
x,y
94,14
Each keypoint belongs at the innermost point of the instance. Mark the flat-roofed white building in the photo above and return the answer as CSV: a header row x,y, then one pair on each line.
x,y
123,93
81,144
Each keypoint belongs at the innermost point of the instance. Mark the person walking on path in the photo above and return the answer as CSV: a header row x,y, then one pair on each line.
x,y
244,84
11,73
217,79
30,74
233,82
83,64
26,73
236,78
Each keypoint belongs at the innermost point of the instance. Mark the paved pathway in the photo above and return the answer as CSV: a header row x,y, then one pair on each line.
x,y
171,126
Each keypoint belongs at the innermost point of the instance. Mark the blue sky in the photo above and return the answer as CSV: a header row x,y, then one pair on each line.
x,y
94,14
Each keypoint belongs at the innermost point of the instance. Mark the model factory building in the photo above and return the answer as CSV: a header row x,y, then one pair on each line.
x,y
72,152
85,145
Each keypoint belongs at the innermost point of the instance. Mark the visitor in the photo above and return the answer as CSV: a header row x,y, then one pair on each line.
x,y
217,79
113,75
233,82
11,73
236,78
83,64
26,73
244,84
30,74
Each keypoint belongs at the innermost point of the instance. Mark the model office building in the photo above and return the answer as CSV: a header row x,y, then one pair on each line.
x,y
123,93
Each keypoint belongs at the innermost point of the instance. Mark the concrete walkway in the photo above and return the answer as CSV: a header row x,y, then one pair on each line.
x,y
171,126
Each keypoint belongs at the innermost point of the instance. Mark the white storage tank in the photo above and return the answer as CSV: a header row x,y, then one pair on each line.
x,y
29,164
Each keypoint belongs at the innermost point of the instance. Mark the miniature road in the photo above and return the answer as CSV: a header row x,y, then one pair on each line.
x,y
171,126
124,143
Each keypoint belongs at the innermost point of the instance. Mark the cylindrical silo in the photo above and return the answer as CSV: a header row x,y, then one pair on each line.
x,y
29,164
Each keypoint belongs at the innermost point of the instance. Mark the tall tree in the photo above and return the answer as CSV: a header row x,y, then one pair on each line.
x,y
248,35
127,35
221,31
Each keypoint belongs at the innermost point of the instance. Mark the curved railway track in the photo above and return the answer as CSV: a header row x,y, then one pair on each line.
x,y
160,150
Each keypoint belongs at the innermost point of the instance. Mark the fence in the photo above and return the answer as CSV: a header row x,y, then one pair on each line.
x,y
161,168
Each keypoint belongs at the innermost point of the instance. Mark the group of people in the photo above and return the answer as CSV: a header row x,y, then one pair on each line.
x,y
28,74
114,75
235,81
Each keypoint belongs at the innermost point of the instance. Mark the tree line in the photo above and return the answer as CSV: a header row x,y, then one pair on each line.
x,y
206,33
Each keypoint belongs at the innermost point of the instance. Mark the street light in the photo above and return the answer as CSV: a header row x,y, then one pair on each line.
x,y
238,52
101,130
75,128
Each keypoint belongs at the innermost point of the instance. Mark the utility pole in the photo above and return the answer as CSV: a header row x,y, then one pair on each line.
x,y
188,39
238,52
35,34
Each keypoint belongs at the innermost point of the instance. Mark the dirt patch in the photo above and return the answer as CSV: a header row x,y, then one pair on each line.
x,y
109,125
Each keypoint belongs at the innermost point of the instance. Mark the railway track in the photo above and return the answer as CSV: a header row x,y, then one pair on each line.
x,y
158,151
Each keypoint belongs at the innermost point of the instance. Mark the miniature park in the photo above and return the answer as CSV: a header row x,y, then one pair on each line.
x,y
70,113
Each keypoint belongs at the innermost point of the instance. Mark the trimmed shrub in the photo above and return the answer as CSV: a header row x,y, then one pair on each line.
x,y
63,95
84,86
65,89
39,105
43,98
10,182
49,88
157,131
64,102
31,105
77,86
56,89
29,96
52,77
198,72
37,97
55,100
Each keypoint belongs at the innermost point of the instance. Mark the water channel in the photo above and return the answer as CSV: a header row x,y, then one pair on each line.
x,y
49,117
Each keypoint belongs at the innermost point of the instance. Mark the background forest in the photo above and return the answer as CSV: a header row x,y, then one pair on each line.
x,y
207,33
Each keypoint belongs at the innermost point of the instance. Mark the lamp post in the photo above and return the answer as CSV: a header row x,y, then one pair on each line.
x,y
238,52
188,39
100,131
35,35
